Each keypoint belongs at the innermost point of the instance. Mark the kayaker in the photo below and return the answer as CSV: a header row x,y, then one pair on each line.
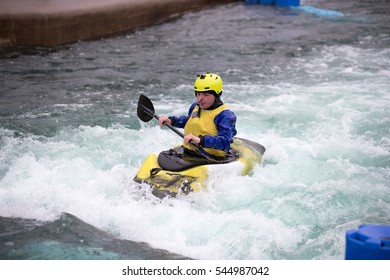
x,y
209,122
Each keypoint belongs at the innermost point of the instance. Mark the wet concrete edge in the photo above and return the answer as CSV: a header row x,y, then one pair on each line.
x,y
50,23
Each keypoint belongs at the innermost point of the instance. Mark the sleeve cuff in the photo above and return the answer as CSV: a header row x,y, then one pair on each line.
x,y
172,120
201,137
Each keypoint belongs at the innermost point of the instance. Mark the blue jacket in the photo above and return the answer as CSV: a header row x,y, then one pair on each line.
x,y
226,125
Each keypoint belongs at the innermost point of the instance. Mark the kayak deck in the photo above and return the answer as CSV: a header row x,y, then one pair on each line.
x,y
179,159
181,171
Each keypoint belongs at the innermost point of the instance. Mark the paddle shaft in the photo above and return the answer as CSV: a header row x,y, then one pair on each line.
x,y
150,112
170,126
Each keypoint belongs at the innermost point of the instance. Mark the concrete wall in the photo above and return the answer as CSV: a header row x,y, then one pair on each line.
x,y
55,22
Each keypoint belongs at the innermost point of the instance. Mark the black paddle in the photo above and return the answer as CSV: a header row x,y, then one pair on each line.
x,y
145,112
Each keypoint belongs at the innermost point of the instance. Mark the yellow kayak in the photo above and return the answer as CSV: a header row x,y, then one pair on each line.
x,y
177,171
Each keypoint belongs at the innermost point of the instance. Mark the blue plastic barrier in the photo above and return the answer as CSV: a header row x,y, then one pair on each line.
x,y
286,2
251,2
267,2
369,242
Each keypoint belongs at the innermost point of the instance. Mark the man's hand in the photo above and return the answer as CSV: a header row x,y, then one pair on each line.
x,y
191,138
163,120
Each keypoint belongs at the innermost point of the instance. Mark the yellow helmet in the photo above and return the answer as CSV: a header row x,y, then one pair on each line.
x,y
208,82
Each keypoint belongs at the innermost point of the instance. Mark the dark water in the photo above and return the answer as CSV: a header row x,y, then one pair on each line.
x,y
311,86
94,83
68,238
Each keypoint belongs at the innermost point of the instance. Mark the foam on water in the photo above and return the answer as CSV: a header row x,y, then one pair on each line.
x,y
321,174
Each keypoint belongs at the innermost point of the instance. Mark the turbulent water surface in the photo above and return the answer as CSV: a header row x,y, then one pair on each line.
x,y
312,87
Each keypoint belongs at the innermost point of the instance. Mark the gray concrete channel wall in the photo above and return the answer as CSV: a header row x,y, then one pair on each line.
x,y
56,22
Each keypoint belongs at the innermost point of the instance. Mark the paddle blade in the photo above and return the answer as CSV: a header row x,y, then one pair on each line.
x,y
145,109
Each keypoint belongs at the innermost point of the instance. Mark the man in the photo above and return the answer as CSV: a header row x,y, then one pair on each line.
x,y
209,122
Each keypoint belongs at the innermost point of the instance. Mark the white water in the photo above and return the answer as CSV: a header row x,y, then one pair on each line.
x,y
326,168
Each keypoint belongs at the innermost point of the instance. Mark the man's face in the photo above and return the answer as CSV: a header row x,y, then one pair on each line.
x,y
205,99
